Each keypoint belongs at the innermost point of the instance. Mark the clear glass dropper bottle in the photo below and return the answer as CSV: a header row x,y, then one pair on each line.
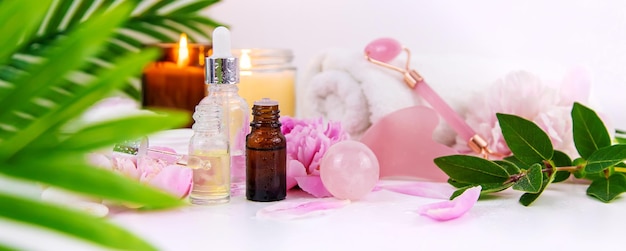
x,y
222,76
209,154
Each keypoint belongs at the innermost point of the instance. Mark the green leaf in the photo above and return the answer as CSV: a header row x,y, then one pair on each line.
x,y
605,157
590,134
528,198
7,248
487,188
561,159
80,12
457,184
156,6
193,6
510,167
19,22
57,15
149,30
110,132
69,172
71,222
86,40
471,169
81,99
517,162
532,181
608,189
526,140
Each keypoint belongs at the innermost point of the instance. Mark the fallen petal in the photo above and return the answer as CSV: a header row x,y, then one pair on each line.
x,y
313,185
289,210
448,210
423,189
173,179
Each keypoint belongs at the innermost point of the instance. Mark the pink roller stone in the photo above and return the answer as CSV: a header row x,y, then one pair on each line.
x,y
383,49
349,170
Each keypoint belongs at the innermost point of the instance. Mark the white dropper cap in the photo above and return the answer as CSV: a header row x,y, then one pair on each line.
x,y
221,67
221,43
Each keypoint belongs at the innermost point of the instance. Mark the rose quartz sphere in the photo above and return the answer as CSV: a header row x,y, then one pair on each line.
x,y
349,170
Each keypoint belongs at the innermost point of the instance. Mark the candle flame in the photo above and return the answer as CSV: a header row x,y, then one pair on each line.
x,y
245,63
183,51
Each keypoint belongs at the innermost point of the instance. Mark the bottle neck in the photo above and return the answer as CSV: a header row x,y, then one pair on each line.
x,y
266,117
208,119
224,89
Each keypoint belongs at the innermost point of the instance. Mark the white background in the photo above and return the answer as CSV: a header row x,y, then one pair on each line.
x,y
470,43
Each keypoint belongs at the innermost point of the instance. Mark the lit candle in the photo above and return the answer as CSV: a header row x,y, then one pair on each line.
x,y
267,73
177,79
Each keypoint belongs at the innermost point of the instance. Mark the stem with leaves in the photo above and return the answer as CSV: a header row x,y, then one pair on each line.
x,y
535,164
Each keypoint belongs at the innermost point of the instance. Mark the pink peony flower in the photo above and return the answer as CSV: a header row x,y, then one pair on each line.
x,y
524,94
307,141
158,172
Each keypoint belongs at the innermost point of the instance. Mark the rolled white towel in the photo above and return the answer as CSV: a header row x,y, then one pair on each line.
x,y
341,85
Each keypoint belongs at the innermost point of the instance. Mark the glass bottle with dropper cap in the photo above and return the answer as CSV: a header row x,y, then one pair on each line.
x,y
222,76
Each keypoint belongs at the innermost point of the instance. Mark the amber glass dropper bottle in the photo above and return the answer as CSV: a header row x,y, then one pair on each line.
x,y
266,154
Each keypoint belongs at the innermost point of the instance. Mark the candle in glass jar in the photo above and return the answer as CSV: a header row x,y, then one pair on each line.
x,y
176,81
267,73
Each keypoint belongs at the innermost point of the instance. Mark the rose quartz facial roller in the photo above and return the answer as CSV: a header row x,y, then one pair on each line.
x,y
383,50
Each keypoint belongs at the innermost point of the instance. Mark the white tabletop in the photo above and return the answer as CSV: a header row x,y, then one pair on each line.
x,y
563,217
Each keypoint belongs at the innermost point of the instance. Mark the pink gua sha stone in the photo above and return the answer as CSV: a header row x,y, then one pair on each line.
x,y
402,141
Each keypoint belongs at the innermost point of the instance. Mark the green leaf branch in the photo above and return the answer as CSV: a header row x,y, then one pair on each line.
x,y
535,164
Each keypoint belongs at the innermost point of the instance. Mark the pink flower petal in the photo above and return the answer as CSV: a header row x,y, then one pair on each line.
x,y
448,210
126,166
423,189
313,185
148,167
575,87
173,179
237,189
288,210
238,171
100,160
294,169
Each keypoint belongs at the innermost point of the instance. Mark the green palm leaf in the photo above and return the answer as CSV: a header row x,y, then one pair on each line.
x,y
160,21
76,223
60,58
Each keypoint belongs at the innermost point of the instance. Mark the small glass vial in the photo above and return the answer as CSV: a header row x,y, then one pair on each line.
x,y
209,155
266,154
